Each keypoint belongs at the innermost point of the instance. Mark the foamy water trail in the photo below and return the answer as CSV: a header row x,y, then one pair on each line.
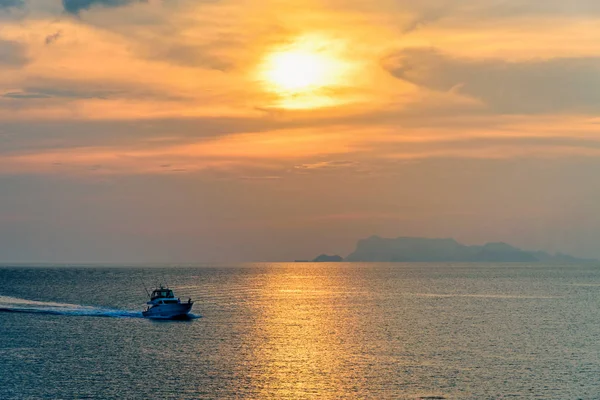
x,y
16,305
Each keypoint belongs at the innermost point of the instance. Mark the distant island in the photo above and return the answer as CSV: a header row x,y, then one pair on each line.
x,y
326,258
413,249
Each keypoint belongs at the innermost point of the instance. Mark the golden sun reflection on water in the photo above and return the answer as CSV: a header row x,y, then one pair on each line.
x,y
302,353
307,73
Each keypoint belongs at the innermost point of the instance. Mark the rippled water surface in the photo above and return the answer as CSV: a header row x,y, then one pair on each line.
x,y
303,331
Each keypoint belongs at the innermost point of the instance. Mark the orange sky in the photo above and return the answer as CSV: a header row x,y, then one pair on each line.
x,y
226,130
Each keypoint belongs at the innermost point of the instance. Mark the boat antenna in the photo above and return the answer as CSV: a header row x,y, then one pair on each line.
x,y
148,293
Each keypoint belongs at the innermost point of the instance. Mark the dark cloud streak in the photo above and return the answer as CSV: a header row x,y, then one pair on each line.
x,y
5,4
76,6
25,95
53,38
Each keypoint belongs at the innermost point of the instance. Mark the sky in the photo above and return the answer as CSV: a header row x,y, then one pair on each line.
x,y
226,130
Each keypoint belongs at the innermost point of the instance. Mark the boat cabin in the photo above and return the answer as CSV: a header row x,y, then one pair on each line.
x,y
171,301
162,293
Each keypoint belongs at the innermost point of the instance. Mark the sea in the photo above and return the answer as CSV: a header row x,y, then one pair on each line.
x,y
303,331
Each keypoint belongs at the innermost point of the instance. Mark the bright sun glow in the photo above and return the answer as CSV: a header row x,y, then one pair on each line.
x,y
298,71
310,72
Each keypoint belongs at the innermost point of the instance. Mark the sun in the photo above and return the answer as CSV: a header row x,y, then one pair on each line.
x,y
298,71
312,71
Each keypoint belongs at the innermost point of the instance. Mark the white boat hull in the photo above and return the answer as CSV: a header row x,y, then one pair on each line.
x,y
169,311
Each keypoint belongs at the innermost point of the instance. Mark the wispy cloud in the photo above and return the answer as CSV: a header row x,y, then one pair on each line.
x,y
25,95
528,86
53,38
76,6
6,4
334,164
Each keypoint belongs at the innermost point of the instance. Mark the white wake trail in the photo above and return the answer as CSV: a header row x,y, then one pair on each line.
x,y
17,305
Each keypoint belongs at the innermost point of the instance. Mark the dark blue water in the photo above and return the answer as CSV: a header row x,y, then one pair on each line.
x,y
303,331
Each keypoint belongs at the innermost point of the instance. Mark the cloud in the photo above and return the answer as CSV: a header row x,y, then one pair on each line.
x,y
53,38
195,55
75,6
25,95
425,13
79,94
428,14
516,8
11,3
12,54
534,86
140,134
46,93
422,20
326,165
430,10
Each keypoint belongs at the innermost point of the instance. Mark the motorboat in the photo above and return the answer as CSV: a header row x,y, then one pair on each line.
x,y
164,305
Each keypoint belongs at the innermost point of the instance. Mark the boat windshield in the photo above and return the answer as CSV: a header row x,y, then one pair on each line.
x,y
162,293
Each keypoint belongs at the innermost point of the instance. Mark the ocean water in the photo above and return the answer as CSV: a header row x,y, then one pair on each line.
x,y
303,331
